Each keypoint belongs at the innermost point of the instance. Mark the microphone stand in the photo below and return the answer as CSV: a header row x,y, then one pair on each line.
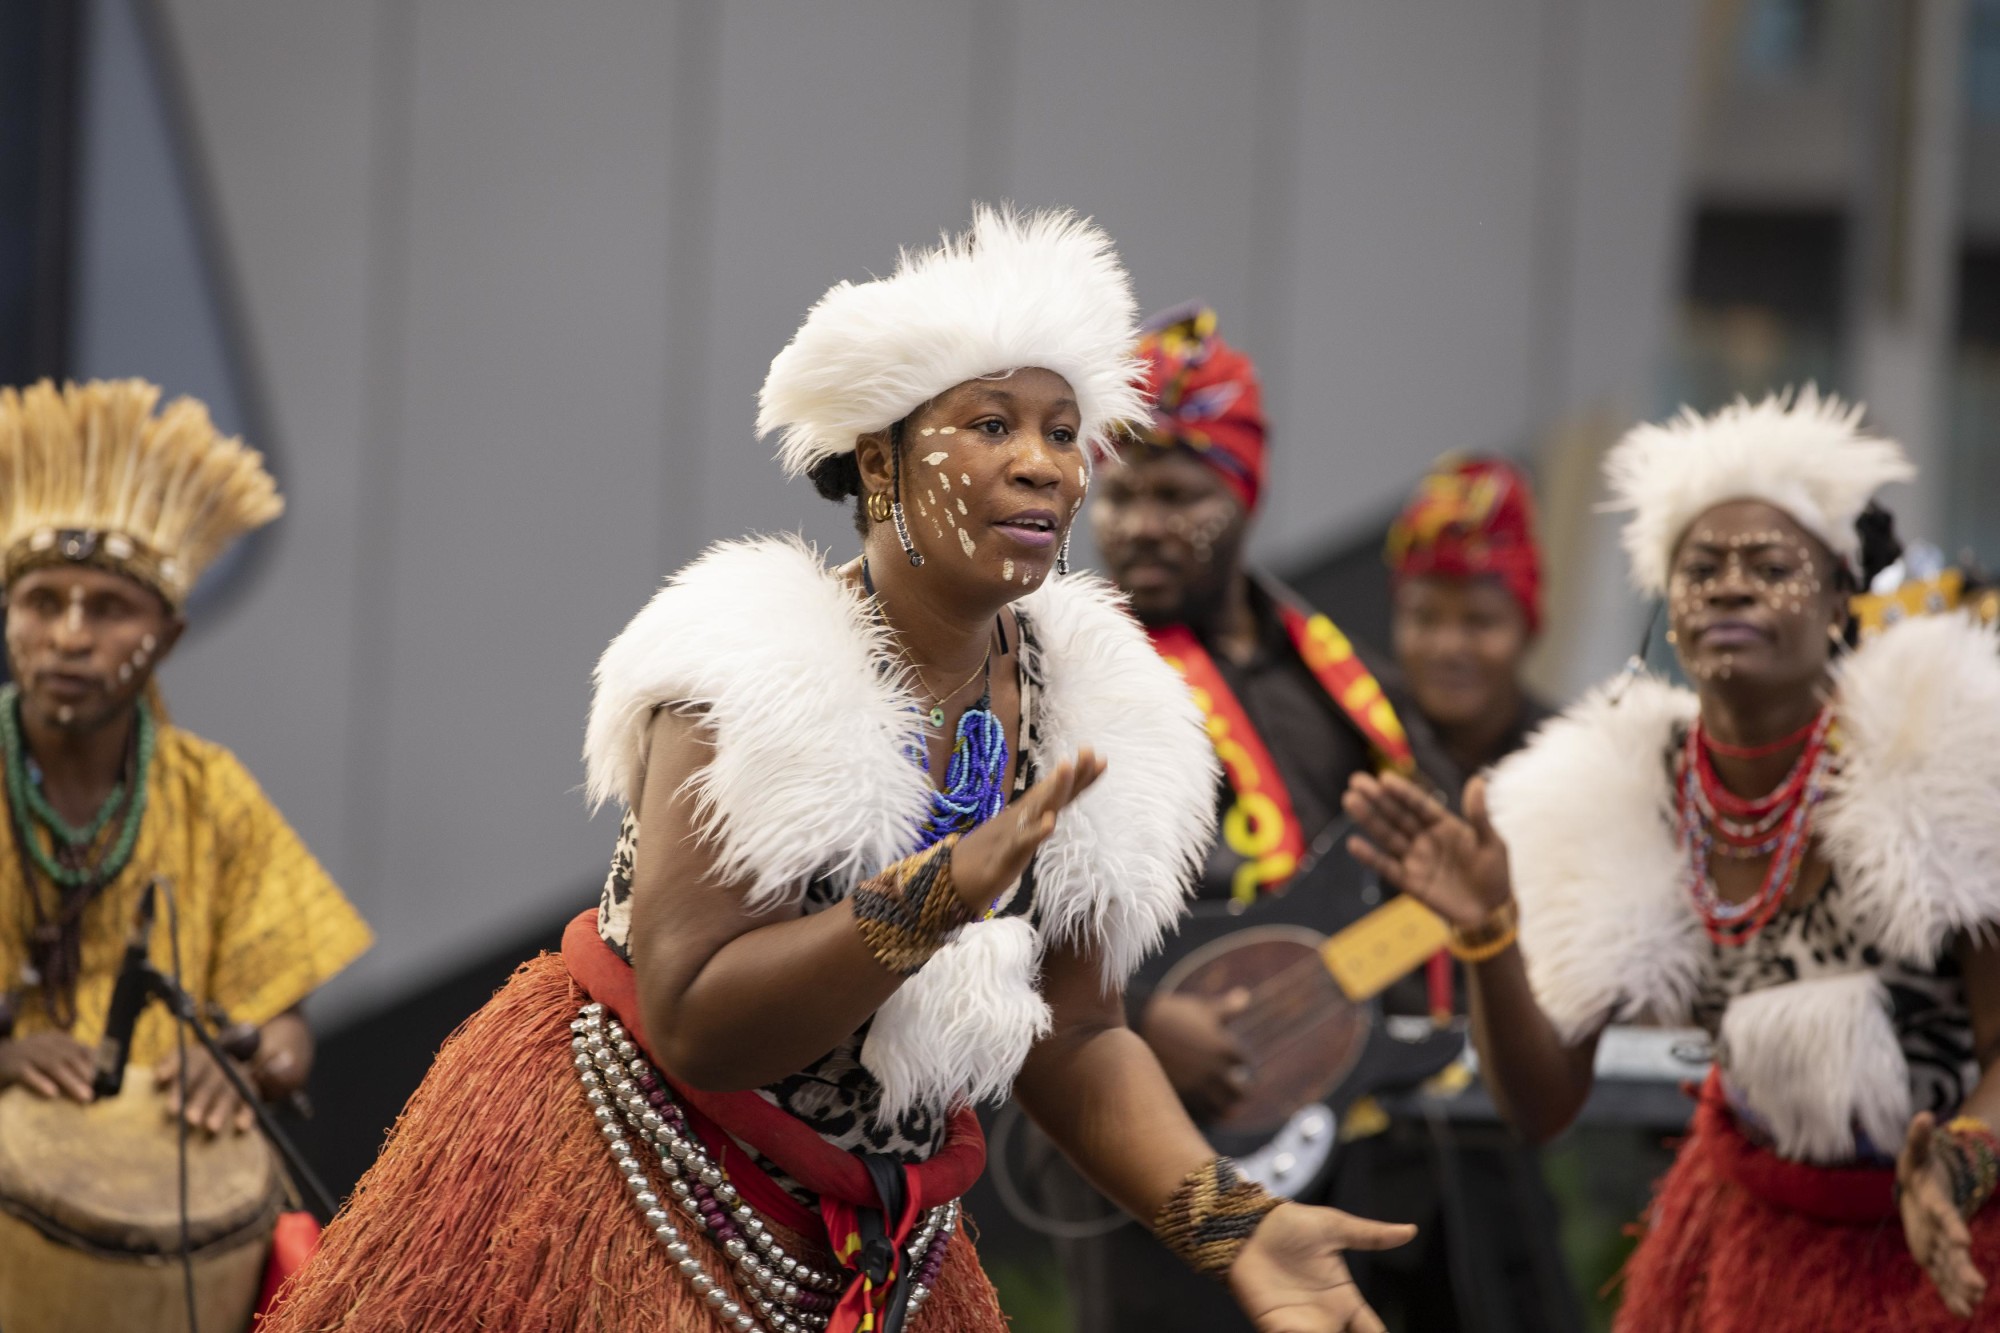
x,y
182,1006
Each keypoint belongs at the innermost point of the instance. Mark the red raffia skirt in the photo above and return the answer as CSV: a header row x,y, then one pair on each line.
x,y
495,1206
1738,1240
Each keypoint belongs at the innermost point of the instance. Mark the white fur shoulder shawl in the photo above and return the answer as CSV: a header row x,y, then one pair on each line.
x,y
810,778
1911,824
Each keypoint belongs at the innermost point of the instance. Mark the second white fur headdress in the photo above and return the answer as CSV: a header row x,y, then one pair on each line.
x,y
1803,453
1017,290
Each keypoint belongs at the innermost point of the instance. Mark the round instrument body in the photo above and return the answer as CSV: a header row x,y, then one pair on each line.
x,y
1302,1036
90,1221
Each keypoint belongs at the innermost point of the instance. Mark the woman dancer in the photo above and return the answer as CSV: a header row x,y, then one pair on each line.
x,y
895,835
1800,854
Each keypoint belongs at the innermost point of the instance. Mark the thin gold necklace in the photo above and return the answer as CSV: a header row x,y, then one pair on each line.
x,y
938,701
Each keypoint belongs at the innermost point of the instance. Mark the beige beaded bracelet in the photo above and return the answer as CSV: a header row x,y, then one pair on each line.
x,y
1208,1218
908,912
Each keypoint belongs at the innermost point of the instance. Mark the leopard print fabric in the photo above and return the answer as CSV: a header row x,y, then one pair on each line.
x,y
836,1094
1928,1008
1927,1005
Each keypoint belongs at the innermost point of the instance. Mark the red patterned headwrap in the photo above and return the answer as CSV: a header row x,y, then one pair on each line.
x,y
1205,397
1471,517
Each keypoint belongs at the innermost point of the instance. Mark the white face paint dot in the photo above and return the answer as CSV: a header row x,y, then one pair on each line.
x,y
965,479
944,481
947,430
1007,570
961,504
965,541
149,643
936,458
930,430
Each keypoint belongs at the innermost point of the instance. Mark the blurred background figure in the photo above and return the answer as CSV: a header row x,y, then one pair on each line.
x,y
489,285
1466,605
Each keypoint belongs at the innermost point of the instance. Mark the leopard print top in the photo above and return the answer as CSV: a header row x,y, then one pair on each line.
x,y
1818,939
836,1094
1929,1012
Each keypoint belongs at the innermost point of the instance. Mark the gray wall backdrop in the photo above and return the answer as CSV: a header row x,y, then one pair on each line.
x,y
512,271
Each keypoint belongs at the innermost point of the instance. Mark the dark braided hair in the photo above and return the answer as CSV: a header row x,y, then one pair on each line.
x,y
1880,548
837,477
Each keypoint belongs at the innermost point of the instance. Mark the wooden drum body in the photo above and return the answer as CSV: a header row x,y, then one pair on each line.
x,y
90,1222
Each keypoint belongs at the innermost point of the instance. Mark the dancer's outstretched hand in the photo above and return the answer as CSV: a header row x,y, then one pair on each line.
x,y
1456,867
993,855
1290,1276
1937,1236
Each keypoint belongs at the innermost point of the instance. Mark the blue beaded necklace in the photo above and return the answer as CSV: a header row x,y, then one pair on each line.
x,y
975,777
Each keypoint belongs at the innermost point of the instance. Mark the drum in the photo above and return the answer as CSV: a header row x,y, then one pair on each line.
x,y
90,1220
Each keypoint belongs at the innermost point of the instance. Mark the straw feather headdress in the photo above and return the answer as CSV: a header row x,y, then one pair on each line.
x,y
89,474
1803,453
1017,290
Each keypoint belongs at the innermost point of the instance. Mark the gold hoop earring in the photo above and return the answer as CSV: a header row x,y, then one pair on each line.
x,y
877,506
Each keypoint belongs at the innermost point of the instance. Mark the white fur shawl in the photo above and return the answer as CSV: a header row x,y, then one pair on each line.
x,y
1911,824
809,777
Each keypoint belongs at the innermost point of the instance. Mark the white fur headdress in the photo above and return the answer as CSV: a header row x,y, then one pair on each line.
x,y
1803,453
1042,289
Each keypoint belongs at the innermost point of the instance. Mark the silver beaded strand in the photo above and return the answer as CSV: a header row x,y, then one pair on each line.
x,y
611,1068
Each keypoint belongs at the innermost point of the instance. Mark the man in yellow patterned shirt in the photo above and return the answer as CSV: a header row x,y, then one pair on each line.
x,y
108,515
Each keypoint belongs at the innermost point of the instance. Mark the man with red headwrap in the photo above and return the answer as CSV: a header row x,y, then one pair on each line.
x,y
1294,709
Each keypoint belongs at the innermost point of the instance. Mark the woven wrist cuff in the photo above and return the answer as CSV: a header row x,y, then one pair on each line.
x,y
1971,1157
1208,1219
909,911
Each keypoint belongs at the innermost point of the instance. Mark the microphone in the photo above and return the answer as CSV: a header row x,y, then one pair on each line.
x,y
128,999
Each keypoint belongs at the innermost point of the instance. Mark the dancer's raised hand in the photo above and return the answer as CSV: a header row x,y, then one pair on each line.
x,y
1456,867
993,855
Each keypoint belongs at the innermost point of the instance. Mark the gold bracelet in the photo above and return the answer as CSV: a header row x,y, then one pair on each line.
x,y
909,911
1490,938
1208,1218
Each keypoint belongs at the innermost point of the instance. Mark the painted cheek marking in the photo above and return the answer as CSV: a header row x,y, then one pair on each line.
x,y
965,541
961,504
930,430
965,480
936,458
944,481
947,430
1007,570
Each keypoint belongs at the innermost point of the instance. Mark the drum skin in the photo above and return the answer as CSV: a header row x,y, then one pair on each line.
x,y
90,1216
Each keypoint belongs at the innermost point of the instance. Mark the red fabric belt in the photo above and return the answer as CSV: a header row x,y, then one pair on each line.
x,y
780,1136
1843,1195
727,1120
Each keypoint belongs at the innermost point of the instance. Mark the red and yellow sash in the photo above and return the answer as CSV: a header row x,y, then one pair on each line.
x,y
1260,825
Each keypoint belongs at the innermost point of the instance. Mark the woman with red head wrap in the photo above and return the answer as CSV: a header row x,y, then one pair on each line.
x,y
1467,605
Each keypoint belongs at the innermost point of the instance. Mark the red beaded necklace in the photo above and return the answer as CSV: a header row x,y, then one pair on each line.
x,y
1778,824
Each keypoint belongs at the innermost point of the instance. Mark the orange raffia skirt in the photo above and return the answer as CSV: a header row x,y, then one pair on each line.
x,y
1738,1240
495,1205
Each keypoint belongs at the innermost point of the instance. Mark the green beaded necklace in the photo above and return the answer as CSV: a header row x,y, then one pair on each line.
x,y
30,806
